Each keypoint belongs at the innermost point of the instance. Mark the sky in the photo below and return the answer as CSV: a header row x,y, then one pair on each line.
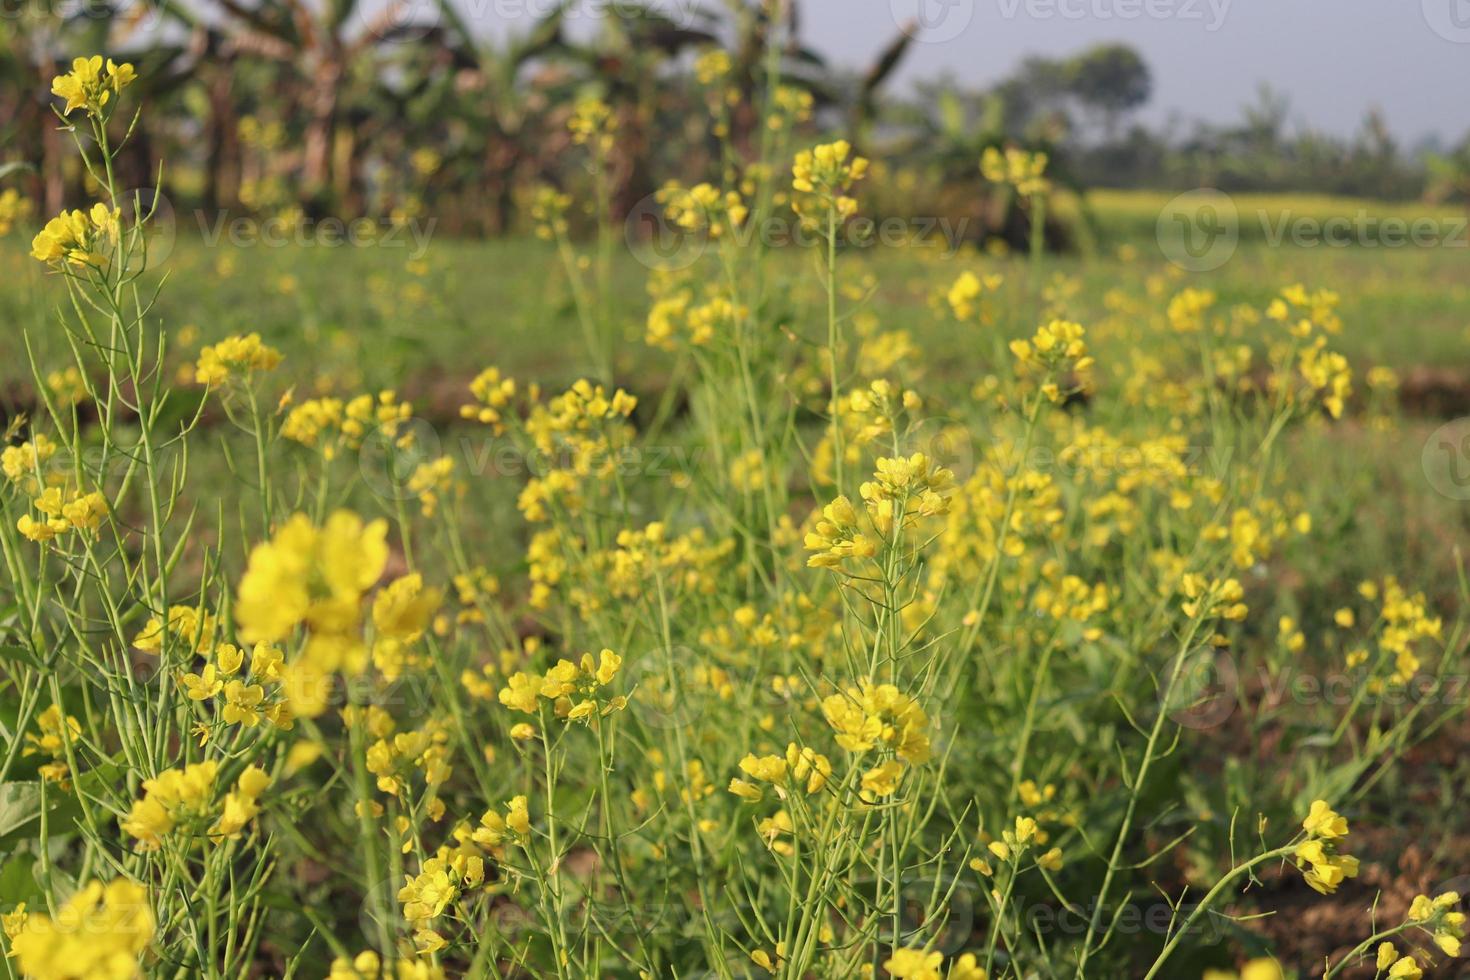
x,y
1333,59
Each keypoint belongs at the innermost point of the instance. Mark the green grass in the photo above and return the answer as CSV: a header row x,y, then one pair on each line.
x,y
353,319
374,315
350,319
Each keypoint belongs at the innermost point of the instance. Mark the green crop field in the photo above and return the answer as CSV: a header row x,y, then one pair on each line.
x,y
1082,598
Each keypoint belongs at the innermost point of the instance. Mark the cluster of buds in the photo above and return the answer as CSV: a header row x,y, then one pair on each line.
x,y
870,413
1302,311
1057,348
13,208
1218,597
493,392
574,689
1073,599
789,104
799,767
347,424
91,84
593,123
703,207
822,177
1326,373
62,512
1441,918
1017,168
234,357
964,296
549,209
712,67
836,537
900,481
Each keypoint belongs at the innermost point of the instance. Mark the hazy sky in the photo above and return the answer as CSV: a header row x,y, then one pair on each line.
x,y
1334,58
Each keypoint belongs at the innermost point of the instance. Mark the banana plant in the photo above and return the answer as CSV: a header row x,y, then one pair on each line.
x,y
499,107
329,55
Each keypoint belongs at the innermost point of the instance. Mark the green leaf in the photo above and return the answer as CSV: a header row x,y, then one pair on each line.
x,y
20,803
17,883
14,651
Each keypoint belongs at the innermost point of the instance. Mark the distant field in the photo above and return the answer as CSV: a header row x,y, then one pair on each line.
x,y
382,310
1135,213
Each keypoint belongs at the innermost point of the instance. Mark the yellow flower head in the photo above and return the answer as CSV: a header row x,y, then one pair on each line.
x,y
1016,167
100,933
78,239
1323,821
821,178
311,575
1317,856
914,964
234,356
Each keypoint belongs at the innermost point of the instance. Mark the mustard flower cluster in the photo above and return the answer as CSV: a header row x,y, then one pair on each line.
x,y
78,239
101,933
1319,856
235,357
1017,168
91,84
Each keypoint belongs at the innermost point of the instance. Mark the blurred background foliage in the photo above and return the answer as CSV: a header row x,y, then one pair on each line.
x,y
406,110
